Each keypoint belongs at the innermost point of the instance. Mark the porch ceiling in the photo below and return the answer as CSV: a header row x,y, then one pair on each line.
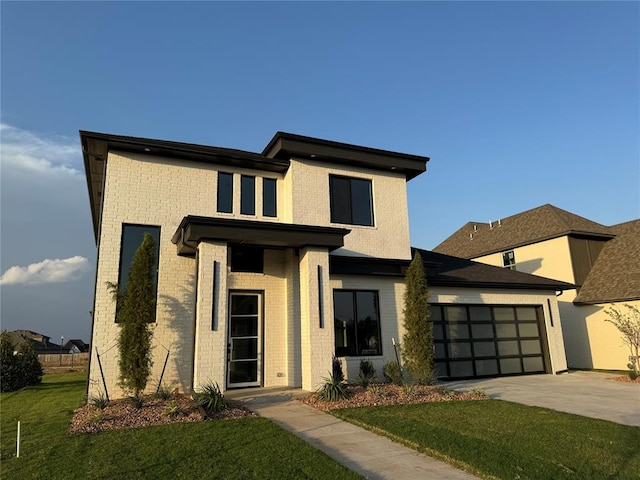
x,y
193,229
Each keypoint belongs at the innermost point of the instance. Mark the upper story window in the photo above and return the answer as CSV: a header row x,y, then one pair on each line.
x,y
351,200
509,260
269,203
132,237
356,323
225,192
247,195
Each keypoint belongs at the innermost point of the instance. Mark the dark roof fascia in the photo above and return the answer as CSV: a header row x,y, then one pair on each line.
x,y
569,233
286,145
96,146
194,229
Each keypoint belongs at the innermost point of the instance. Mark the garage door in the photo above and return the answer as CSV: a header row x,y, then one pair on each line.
x,y
488,341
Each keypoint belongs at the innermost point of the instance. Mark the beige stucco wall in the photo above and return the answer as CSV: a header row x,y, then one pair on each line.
x,y
306,188
514,297
550,258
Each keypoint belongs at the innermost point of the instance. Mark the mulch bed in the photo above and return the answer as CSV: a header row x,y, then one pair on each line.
x,y
154,411
380,394
625,379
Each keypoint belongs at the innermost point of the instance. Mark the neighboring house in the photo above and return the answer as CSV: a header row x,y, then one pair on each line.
x,y
271,263
40,343
76,346
603,262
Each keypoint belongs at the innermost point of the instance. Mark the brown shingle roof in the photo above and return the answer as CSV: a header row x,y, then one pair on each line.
x,y
615,277
446,270
541,223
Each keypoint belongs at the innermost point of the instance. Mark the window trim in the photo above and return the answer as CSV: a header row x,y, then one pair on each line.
x,y
248,194
354,293
274,201
336,211
219,193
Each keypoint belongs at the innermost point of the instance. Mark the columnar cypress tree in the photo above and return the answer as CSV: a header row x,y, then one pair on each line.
x,y
135,312
417,346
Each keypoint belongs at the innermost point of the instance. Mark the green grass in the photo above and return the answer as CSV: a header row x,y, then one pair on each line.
x,y
247,448
497,439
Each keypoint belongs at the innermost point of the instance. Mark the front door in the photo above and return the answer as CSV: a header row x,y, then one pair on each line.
x,y
244,349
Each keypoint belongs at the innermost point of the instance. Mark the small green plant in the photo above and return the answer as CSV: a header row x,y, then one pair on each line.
x,y
332,390
336,369
173,410
163,392
410,390
479,393
374,390
97,417
632,372
367,372
392,372
100,401
136,400
210,398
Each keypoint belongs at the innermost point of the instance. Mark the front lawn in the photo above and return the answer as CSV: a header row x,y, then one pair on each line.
x,y
497,439
246,448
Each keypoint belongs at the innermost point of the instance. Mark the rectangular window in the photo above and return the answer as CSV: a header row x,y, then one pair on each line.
x,y
269,203
132,236
509,260
225,192
247,195
356,323
351,200
247,259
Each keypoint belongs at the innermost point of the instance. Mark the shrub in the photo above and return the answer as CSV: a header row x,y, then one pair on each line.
x,y
367,372
99,401
410,390
173,410
163,392
210,398
136,400
332,390
20,369
392,372
336,369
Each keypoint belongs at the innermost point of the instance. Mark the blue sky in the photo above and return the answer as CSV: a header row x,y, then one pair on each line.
x,y
518,104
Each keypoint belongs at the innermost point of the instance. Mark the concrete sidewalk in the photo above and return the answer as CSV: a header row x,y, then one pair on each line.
x,y
364,452
590,394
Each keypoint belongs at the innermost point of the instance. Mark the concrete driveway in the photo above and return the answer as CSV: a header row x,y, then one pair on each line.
x,y
590,394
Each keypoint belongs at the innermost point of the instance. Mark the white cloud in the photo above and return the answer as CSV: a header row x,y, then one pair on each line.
x,y
46,271
25,152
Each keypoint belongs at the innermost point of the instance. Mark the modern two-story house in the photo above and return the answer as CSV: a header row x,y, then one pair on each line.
x,y
271,263
602,261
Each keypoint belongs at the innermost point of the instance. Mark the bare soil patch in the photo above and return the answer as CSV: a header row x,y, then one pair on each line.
x,y
380,394
154,411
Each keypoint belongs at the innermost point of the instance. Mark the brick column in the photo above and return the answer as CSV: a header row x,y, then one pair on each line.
x,y
316,337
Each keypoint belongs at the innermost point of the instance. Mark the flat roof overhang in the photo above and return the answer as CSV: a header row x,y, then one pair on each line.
x,y
288,145
194,229
96,147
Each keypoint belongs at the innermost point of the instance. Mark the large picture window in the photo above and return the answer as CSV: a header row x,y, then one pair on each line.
x,y
132,236
351,200
356,323
225,192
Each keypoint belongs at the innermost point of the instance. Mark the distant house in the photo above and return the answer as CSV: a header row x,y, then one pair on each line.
x,y
76,346
269,264
602,261
40,343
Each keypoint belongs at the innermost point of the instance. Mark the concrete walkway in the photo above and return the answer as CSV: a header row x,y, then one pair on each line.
x,y
590,394
360,450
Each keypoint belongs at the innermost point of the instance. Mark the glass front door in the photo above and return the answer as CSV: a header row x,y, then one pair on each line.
x,y
244,349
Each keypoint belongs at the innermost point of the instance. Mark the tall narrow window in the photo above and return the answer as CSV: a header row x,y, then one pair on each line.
x,y
351,200
132,236
225,192
509,260
247,195
269,204
356,323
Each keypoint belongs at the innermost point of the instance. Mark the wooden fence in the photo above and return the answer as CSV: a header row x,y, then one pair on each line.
x,y
64,359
